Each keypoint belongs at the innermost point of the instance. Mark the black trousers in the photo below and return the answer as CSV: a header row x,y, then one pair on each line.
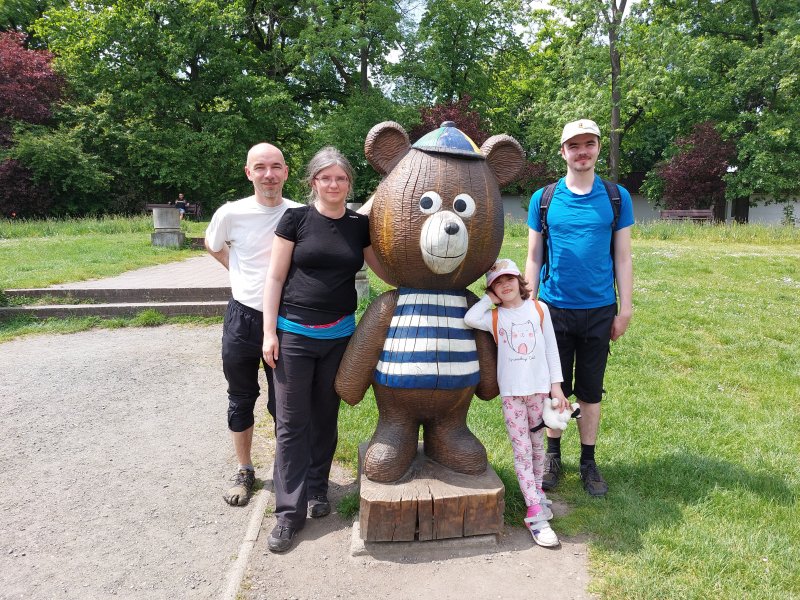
x,y
307,412
242,338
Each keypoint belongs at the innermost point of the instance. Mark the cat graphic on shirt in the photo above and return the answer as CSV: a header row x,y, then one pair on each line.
x,y
522,339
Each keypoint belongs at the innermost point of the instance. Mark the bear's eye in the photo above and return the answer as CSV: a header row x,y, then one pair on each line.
x,y
430,202
464,205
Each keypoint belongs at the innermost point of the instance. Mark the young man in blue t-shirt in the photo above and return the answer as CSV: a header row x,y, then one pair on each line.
x,y
578,285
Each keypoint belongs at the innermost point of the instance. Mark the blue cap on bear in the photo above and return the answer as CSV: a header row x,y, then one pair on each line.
x,y
448,139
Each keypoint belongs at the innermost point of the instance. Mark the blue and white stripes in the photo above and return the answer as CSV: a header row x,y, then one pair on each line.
x,y
428,346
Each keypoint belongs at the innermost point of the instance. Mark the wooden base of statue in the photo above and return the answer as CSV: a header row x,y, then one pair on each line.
x,y
430,502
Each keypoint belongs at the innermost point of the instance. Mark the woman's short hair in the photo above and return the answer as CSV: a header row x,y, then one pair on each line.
x,y
327,157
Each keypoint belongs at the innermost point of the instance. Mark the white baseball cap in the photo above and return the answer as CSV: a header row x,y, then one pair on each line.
x,y
503,266
579,127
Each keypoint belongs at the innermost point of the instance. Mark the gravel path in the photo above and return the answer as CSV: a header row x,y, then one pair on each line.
x,y
113,458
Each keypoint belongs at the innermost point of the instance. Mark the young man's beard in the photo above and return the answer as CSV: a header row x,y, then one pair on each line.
x,y
580,166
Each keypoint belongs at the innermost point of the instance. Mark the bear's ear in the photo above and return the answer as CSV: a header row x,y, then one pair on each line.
x,y
385,145
505,157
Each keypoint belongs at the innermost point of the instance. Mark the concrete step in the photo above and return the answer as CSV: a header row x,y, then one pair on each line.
x,y
126,295
121,309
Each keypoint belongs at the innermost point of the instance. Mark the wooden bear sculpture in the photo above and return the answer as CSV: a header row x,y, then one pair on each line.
x,y
436,225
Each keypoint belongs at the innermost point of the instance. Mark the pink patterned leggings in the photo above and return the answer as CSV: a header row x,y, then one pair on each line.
x,y
521,414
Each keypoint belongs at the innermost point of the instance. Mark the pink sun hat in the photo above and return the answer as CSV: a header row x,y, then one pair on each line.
x,y
502,266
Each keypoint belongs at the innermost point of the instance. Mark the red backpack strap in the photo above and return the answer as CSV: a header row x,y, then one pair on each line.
x,y
494,324
539,310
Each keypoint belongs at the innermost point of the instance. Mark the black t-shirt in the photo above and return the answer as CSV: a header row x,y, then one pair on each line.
x,y
320,285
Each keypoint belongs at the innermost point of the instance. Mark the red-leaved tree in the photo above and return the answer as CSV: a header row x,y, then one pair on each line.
x,y
28,89
534,175
693,176
28,84
468,121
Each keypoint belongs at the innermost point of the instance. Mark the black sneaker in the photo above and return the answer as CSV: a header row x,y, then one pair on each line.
x,y
552,471
319,506
593,482
239,494
280,540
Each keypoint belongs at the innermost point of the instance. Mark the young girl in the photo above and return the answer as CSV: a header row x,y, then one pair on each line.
x,y
528,371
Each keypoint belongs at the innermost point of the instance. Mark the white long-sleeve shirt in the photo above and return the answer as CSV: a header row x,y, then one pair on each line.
x,y
527,354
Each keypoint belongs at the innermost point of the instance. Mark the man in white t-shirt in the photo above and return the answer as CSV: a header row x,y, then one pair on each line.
x,y
240,237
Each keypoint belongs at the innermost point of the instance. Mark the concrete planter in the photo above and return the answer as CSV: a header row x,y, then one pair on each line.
x,y
167,223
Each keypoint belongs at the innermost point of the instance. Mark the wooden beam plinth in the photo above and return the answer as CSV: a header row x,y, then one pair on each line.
x,y
430,502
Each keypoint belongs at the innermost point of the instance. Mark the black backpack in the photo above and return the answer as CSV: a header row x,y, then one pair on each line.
x,y
612,189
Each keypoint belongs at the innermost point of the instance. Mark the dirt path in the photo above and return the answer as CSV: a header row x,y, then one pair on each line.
x,y
321,566
113,457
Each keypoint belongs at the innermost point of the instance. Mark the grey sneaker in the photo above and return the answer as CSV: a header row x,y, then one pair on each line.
x,y
319,506
593,482
552,471
239,494
280,540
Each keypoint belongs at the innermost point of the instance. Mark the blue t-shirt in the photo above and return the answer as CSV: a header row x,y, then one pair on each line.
x,y
579,243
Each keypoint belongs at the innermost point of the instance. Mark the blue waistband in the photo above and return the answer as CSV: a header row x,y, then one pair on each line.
x,y
344,327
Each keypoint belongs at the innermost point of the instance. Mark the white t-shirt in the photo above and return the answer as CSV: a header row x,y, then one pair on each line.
x,y
527,354
250,229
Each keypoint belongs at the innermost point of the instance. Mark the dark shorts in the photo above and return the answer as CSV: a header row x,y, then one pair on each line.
x,y
583,336
242,337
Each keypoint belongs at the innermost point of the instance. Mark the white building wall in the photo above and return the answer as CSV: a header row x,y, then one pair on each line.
x,y
512,208
643,212
772,214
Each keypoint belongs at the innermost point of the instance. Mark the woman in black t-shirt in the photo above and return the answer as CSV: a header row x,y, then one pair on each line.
x,y
309,316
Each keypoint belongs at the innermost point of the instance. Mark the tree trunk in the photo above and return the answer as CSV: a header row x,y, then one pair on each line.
x,y
365,70
616,71
741,209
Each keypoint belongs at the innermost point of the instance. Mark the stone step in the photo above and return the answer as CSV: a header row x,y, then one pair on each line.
x,y
121,309
126,295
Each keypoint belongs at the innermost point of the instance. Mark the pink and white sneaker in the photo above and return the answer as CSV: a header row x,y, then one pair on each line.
x,y
540,528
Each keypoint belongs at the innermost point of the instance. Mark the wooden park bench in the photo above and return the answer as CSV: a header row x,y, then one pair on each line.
x,y
192,210
691,214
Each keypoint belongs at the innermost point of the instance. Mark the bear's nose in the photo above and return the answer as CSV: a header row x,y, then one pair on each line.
x,y
451,228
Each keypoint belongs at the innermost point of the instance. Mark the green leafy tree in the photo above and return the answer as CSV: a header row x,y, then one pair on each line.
x,y
351,39
171,93
19,15
179,89
346,127
58,161
457,49
565,77
737,67
598,23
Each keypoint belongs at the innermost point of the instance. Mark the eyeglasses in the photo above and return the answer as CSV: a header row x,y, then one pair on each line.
x,y
326,181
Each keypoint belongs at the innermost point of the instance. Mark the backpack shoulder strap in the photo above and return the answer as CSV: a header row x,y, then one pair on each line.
x,y
544,201
614,196
540,311
494,324
544,205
